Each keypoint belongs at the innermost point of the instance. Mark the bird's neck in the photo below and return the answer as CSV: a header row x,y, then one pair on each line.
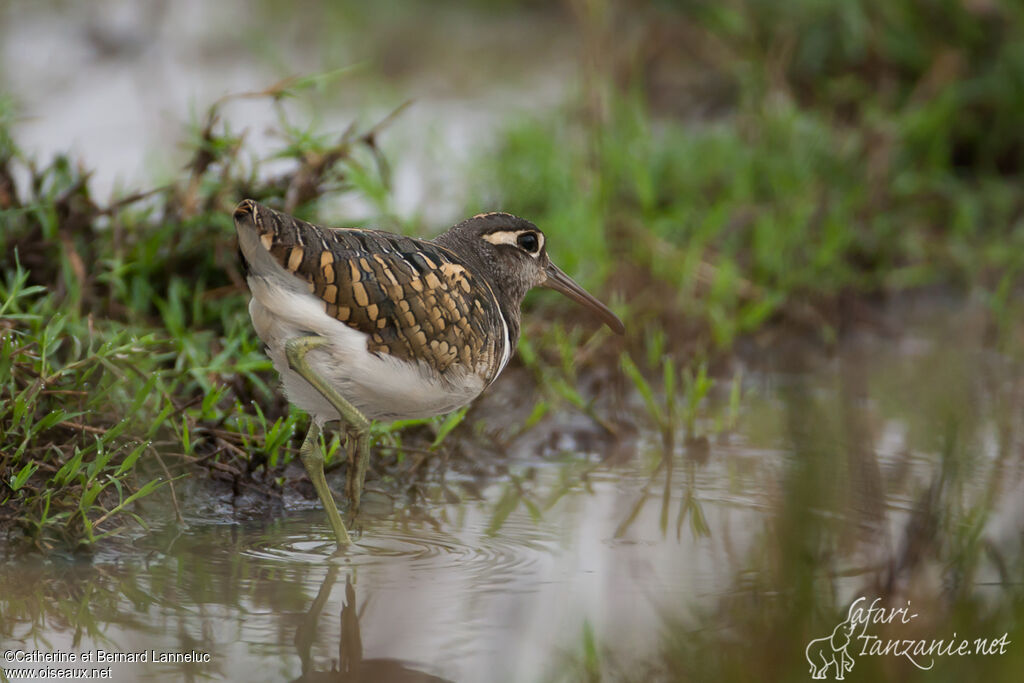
x,y
510,312
509,298
509,291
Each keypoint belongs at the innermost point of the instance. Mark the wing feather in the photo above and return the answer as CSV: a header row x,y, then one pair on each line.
x,y
413,298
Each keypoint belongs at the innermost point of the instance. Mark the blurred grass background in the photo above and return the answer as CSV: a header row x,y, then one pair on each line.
x,y
716,170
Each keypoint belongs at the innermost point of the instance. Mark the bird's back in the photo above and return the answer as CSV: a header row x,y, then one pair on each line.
x,y
415,300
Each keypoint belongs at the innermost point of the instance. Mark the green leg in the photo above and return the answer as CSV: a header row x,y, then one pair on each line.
x,y
313,459
356,425
354,484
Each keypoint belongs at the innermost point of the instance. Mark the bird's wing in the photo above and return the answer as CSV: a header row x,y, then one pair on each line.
x,y
413,298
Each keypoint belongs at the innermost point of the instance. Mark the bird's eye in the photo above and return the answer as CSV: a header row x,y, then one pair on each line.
x,y
528,242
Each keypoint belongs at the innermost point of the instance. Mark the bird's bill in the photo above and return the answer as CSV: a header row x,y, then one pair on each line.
x,y
560,282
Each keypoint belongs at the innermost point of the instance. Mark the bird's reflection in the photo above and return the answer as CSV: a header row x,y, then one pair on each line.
x,y
350,665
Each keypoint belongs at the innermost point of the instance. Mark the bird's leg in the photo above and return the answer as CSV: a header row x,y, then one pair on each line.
x,y
313,460
356,425
360,444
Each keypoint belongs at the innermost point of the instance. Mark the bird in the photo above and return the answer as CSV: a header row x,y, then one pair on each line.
x,y
365,325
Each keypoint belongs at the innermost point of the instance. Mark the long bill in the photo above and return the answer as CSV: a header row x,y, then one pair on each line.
x,y
560,282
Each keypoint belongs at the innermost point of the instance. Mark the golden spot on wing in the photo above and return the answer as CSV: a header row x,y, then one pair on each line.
x,y
365,265
295,258
421,338
403,305
359,292
357,274
386,271
452,270
267,239
382,323
432,281
343,313
410,319
444,354
444,300
371,311
435,317
430,264
331,294
464,285
416,284
327,265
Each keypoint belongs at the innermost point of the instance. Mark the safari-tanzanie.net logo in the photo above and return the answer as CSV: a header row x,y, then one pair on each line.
x,y
833,656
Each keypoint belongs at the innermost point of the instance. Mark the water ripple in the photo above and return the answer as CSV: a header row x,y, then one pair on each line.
x,y
418,547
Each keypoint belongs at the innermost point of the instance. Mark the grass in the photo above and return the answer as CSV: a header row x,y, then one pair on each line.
x,y
64,377
127,354
858,151
783,213
847,159
821,155
124,325
854,152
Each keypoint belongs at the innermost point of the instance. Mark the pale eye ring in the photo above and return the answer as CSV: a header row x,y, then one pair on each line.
x,y
528,242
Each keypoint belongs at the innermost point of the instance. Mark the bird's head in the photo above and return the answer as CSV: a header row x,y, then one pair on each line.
x,y
513,253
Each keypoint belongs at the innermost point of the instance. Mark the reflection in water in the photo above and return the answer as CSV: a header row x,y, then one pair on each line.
x,y
895,470
858,429
350,665
463,599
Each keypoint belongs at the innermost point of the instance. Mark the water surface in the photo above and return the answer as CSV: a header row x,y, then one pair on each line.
x,y
849,446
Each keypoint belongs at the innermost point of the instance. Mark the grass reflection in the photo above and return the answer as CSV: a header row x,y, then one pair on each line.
x,y
900,477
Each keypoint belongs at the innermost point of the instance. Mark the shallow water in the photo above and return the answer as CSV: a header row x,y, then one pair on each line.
x,y
441,589
440,595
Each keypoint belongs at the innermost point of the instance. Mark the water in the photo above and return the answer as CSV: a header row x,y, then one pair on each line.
x,y
619,549
434,591
845,446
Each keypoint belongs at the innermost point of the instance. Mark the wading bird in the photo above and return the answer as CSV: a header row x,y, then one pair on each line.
x,y
367,325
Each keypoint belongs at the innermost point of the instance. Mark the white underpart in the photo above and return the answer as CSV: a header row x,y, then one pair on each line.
x,y
506,351
380,386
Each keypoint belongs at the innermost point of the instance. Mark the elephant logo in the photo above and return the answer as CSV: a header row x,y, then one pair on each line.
x,y
831,651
